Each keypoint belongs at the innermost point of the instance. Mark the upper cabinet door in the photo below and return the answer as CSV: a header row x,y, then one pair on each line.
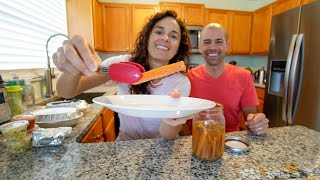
x,y
221,17
116,27
140,16
194,14
97,26
240,32
79,14
190,14
261,30
177,7
284,5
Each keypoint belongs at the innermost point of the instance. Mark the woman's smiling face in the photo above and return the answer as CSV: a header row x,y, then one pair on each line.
x,y
164,41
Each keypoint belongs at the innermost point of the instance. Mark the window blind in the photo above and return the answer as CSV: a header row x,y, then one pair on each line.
x,y
25,27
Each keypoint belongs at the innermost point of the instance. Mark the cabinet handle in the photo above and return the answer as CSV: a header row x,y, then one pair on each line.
x,y
97,137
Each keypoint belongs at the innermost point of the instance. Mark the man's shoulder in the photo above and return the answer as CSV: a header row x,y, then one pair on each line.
x,y
195,70
238,70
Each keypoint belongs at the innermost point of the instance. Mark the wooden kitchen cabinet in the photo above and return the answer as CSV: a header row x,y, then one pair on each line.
x,y
116,27
140,16
102,130
260,93
108,125
95,133
219,16
261,27
191,14
306,1
240,33
97,25
79,19
284,5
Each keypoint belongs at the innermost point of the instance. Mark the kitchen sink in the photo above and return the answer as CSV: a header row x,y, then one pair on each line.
x,y
88,96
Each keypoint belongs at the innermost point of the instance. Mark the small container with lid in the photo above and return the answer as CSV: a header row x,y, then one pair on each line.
x,y
15,99
27,117
15,147
208,133
14,131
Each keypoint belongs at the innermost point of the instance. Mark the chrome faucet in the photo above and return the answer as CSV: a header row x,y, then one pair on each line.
x,y
48,71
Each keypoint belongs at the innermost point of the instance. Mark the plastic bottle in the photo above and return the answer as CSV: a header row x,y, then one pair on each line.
x,y
5,113
28,95
15,99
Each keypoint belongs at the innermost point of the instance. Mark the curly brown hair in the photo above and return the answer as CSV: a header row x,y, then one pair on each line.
x,y
140,52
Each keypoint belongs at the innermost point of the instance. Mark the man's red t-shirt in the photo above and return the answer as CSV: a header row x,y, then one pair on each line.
x,y
234,88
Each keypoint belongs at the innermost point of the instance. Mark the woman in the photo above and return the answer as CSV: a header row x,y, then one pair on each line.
x,y
163,40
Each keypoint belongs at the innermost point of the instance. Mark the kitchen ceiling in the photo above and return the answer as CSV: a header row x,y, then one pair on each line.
x,y
241,5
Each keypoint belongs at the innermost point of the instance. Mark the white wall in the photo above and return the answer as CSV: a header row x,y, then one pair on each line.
x,y
241,5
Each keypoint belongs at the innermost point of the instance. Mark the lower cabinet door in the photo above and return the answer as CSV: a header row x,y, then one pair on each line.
x,y
95,133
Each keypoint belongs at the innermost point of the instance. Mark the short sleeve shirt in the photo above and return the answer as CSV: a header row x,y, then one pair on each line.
x,y
234,88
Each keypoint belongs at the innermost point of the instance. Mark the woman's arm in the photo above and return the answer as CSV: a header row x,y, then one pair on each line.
x,y
69,86
167,131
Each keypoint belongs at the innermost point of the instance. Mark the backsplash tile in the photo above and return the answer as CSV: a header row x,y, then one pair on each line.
x,y
254,62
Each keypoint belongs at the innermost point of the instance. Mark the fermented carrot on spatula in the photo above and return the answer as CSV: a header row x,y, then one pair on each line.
x,y
161,72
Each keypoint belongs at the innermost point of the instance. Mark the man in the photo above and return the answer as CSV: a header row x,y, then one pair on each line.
x,y
229,85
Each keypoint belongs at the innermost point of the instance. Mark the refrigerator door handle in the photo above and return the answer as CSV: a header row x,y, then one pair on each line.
x,y
286,78
292,79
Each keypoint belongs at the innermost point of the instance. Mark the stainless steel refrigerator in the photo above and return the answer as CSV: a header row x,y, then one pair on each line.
x,y
293,74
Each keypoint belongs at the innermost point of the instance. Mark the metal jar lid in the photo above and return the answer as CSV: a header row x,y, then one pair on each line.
x,y
237,144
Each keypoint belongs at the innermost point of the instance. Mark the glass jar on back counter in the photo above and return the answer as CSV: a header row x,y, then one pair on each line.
x,y
5,113
208,133
15,99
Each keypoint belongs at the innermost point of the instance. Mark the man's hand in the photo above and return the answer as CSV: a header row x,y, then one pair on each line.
x,y
257,123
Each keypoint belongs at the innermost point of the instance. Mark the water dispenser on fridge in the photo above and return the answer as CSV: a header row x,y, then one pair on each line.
x,y
276,79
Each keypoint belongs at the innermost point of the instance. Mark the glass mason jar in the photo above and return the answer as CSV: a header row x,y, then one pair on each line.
x,y
208,131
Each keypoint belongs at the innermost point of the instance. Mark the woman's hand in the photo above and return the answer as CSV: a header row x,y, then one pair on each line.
x,y
76,57
175,93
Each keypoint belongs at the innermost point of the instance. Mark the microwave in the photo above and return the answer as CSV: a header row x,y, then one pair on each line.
x,y
194,35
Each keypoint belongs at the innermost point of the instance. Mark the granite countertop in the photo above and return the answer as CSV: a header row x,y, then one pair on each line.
x,y
161,158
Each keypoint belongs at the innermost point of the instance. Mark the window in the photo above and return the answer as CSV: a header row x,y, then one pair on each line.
x,y
25,27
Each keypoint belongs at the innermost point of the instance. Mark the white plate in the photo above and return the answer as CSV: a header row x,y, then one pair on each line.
x,y
154,106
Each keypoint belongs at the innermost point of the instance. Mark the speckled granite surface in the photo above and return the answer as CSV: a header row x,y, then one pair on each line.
x,y
158,158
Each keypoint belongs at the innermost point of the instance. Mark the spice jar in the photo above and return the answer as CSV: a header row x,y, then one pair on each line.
x,y
208,133
15,99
